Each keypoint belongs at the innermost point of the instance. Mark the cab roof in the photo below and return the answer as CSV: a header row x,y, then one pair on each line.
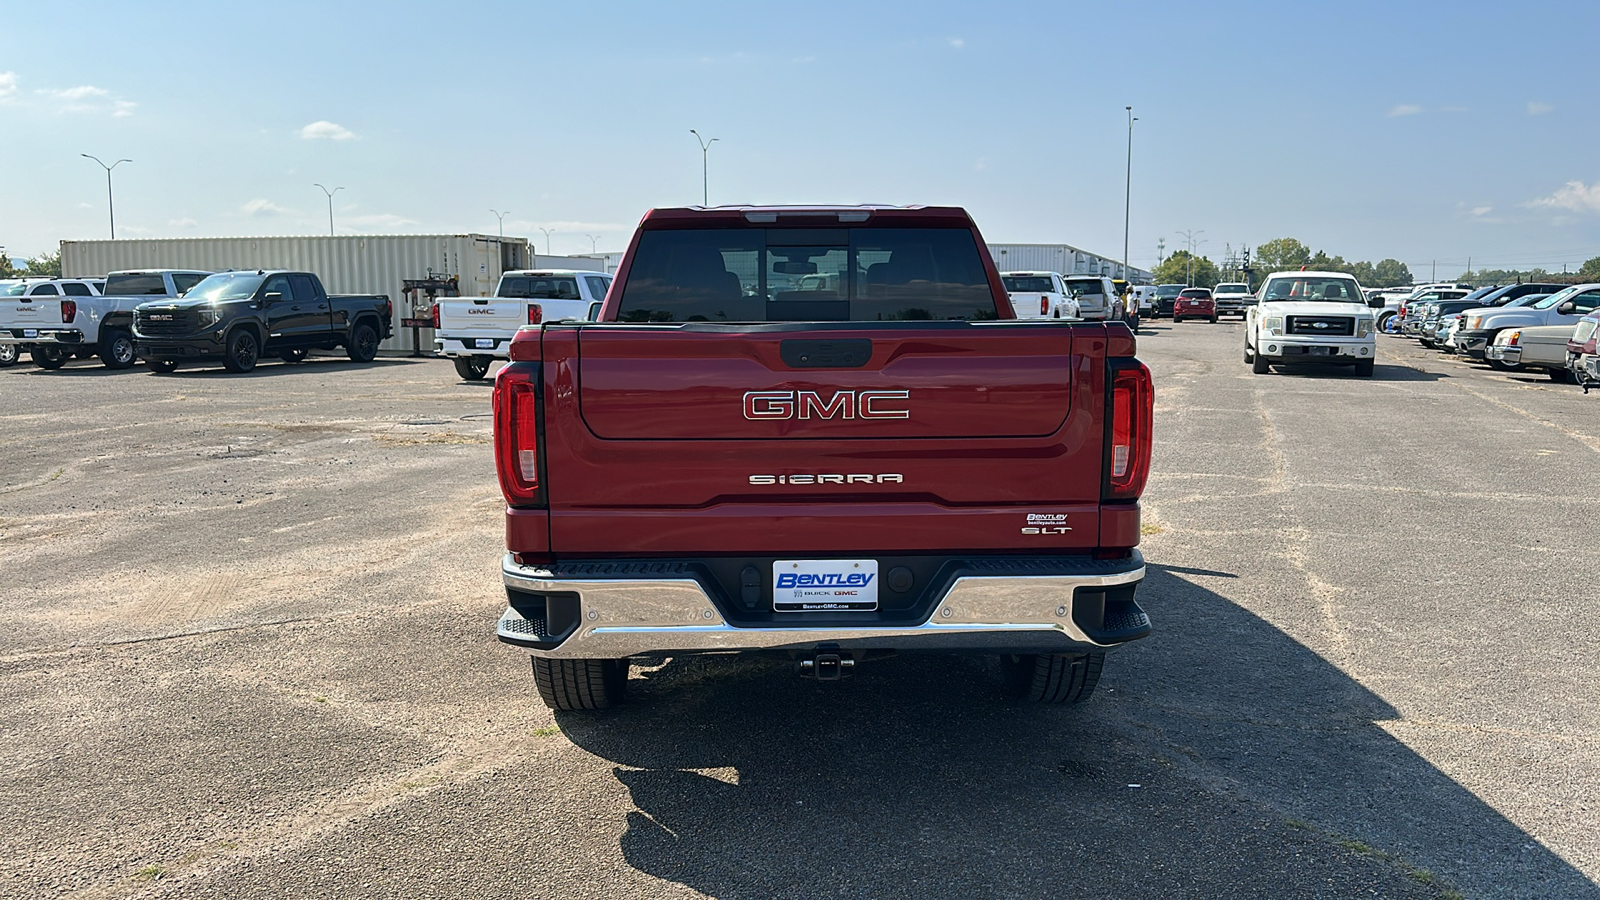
x,y
805,216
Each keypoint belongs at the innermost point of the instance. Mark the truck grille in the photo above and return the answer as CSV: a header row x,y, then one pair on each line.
x,y
164,321
1326,326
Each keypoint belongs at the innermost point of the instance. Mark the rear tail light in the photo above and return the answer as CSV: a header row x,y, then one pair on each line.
x,y
518,435
1515,337
1044,305
1131,411
436,315
388,310
69,311
535,314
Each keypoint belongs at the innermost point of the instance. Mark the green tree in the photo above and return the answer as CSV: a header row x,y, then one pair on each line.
x,y
1365,274
1181,268
1281,254
6,269
1590,270
1390,273
45,264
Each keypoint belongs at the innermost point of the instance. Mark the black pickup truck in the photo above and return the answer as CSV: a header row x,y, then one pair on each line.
x,y
238,317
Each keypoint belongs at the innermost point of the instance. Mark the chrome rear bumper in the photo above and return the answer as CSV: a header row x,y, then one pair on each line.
x,y
623,617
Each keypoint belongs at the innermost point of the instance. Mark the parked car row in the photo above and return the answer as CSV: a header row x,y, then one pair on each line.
x,y
1530,327
170,317
1051,295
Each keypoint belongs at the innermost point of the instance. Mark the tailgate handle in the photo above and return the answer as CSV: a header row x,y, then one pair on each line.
x,y
847,353
481,301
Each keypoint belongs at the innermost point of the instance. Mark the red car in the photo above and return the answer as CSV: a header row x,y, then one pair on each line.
x,y
1194,303
819,432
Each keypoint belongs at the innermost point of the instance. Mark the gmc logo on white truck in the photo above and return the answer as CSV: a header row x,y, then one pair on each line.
x,y
810,405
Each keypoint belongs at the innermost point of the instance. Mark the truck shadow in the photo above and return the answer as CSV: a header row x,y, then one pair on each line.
x,y
1220,758
1380,372
272,368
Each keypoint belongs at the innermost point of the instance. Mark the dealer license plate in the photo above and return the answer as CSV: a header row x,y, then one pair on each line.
x,y
483,344
30,332
825,585
1321,351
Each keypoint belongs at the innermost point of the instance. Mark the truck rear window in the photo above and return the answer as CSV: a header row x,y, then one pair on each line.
x,y
1028,284
806,275
539,287
135,285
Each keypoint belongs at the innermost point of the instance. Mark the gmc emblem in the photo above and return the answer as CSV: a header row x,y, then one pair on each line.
x,y
810,405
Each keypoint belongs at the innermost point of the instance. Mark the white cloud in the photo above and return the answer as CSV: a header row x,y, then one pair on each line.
x,y
326,131
81,92
262,207
1405,109
1482,210
957,43
123,108
8,85
182,223
383,220
1575,196
1539,109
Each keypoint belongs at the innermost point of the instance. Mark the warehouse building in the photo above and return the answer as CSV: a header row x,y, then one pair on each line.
x,y
1063,258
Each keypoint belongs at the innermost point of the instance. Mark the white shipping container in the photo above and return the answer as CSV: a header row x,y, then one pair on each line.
x,y
347,264
1063,258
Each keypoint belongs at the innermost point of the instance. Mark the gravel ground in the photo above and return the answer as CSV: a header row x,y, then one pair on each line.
x,y
249,653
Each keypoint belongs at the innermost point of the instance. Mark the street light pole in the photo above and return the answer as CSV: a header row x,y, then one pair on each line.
x,y
594,242
705,147
502,217
547,233
1188,236
111,208
330,205
1127,199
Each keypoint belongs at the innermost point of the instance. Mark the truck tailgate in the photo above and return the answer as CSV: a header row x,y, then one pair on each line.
x,y
487,315
30,312
909,437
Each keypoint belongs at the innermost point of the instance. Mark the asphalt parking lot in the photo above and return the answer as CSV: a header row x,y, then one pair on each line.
x,y
250,653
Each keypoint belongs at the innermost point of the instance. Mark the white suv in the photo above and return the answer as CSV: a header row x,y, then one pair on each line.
x,y
1097,299
1310,317
1039,295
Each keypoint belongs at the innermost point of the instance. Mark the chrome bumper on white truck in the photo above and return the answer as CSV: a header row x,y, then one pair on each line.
x,y
659,609
496,347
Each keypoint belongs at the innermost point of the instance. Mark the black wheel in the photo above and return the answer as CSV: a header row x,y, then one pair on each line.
x,y
1364,367
472,368
163,366
1212,320
243,351
50,357
116,349
293,356
1051,677
363,346
9,353
574,684
1559,376
1259,365
1429,344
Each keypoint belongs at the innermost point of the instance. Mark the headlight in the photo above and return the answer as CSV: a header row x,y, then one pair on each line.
x,y
1273,324
1363,327
1474,322
207,316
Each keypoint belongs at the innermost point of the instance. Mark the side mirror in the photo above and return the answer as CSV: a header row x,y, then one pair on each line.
x,y
1566,308
272,297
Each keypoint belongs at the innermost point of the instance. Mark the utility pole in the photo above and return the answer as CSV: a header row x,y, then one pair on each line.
x,y
1127,198
111,208
1435,271
330,205
1189,237
705,146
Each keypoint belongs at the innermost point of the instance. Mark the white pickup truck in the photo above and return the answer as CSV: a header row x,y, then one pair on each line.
x,y
1039,295
1306,317
476,331
56,326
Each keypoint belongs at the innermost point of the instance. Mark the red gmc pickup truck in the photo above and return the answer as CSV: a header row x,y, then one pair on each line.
x,y
819,432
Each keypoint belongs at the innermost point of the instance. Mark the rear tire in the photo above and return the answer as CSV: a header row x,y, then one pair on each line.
x,y
1051,677
50,357
577,684
1364,368
1212,320
9,354
243,352
1559,376
472,368
116,349
161,366
363,347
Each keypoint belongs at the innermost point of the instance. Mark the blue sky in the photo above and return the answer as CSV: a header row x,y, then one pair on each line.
x,y
1424,132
